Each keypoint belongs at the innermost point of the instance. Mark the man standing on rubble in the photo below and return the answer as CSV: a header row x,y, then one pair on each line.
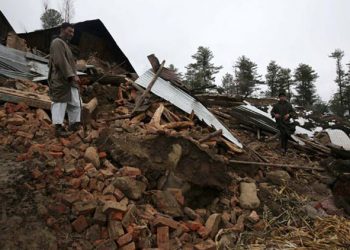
x,y
283,112
63,80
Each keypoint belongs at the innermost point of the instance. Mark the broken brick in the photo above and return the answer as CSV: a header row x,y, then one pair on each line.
x,y
129,171
99,217
205,245
115,229
130,246
193,225
110,206
165,221
80,224
163,237
124,239
84,207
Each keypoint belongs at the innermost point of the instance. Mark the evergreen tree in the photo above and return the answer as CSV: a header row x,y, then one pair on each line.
x,y
228,84
304,77
284,81
246,75
340,79
50,18
176,71
271,78
200,74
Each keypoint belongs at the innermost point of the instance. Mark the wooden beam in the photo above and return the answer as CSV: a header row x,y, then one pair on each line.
x,y
155,121
183,124
211,135
148,89
265,164
31,99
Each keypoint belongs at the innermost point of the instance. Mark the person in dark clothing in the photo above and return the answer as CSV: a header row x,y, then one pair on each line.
x,y
283,112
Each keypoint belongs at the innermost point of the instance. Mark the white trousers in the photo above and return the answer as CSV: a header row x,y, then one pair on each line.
x,y
58,109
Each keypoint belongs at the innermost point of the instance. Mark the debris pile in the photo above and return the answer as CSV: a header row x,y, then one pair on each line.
x,y
155,167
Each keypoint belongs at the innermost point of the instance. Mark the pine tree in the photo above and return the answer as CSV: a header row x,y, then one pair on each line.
x,y
340,79
200,74
228,84
284,81
272,77
51,18
304,77
176,71
246,75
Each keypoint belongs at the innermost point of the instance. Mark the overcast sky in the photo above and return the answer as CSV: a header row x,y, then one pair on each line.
x,y
287,31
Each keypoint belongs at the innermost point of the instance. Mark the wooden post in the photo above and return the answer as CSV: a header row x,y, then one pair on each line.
x,y
148,89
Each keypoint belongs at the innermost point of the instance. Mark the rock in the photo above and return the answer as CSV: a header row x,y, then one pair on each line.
x,y
130,171
80,224
99,216
124,239
91,155
278,177
132,188
205,245
110,206
93,233
166,203
115,229
248,198
253,217
129,215
108,244
212,224
190,213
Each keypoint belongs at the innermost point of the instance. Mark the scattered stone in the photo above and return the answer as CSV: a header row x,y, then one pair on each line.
x,y
110,206
166,203
99,216
190,213
253,217
132,188
91,155
278,177
212,224
93,233
248,198
80,224
115,229
205,245
124,239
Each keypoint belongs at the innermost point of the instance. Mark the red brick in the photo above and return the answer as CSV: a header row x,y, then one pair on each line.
x,y
80,224
116,215
25,134
163,238
36,173
203,232
119,195
124,239
193,225
104,233
102,155
130,171
65,142
161,220
75,183
56,154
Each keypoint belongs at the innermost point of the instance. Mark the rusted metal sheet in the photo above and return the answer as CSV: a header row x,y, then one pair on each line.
x,y
185,102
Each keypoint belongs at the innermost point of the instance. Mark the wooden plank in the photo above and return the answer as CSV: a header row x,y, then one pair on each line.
x,y
172,125
265,164
155,121
148,89
31,99
210,136
231,146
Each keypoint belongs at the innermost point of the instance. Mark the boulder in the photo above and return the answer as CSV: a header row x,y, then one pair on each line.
x,y
248,198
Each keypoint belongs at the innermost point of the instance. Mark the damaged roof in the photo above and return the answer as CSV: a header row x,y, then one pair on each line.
x,y
5,28
90,37
184,102
339,137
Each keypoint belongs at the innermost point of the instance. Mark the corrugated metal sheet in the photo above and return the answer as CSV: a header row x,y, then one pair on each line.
x,y
185,102
339,137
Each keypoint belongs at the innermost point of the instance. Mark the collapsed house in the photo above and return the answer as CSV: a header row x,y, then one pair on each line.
x,y
158,167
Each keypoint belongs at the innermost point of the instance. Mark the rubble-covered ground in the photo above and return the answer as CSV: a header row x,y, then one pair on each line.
x,y
138,184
